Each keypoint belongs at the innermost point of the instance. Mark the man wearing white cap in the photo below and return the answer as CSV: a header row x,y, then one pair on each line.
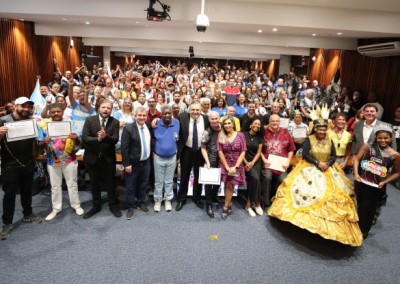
x,y
17,166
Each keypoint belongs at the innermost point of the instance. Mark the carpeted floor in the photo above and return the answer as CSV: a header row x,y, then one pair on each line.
x,y
176,248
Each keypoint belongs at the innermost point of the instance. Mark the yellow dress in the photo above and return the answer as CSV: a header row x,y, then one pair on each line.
x,y
320,202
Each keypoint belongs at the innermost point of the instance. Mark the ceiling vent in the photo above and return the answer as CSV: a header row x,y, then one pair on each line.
x,y
380,49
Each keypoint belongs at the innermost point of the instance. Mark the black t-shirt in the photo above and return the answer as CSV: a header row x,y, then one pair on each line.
x,y
252,144
16,153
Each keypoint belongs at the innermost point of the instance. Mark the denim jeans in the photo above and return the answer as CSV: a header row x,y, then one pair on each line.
x,y
137,180
164,169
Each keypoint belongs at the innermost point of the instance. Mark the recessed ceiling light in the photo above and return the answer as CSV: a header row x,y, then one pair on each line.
x,y
137,22
87,23
339,33
21,19
146,25
274,29
259,31
314,34
64,19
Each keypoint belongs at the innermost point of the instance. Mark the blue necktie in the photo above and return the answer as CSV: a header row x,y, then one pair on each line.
x,y
144,144
195,144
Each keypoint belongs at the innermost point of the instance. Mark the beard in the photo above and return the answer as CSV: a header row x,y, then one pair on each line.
x,y
23,114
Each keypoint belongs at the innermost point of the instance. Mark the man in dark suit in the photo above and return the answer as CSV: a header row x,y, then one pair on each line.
x,y
135,150
189,154
100,134
364,130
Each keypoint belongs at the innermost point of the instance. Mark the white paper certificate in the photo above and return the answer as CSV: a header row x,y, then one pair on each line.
x,y
59,129
20,130
284,122
277,162
369,183
300,132
209,175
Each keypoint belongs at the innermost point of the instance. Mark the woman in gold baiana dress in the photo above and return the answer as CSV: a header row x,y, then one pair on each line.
x,y
316,195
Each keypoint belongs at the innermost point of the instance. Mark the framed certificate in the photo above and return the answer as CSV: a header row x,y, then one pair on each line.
x,y
300,132
277,163
284,122
20,130
209,175
59,129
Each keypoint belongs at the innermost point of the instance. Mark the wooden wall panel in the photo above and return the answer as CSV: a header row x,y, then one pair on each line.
x,y
23,56
325,66
369,74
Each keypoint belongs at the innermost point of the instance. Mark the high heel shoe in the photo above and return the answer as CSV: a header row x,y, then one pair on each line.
x,y
230,211
225,213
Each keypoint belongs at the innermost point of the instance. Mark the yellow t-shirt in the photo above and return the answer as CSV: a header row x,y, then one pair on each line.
x,y
237,123
340,141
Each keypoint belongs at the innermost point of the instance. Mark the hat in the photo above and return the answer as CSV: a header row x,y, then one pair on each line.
x,y
22,100
171,83
147,82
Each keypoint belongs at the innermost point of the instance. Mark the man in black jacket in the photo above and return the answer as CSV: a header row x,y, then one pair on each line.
x,y
135,150
100,134
189,154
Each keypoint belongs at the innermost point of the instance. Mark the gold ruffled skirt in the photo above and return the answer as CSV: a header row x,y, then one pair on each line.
x,y
320,202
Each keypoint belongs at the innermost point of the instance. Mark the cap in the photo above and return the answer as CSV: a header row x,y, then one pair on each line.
x,y
147,82
22,100
171,83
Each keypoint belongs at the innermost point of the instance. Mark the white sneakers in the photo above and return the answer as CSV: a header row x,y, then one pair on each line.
x,y
251,212
157,206
79,211
168,205
259,211
52,215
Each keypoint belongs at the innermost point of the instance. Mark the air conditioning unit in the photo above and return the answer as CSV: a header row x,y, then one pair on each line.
x,y
380,49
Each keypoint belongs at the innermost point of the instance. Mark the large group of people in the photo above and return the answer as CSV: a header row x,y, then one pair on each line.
x,y
172,120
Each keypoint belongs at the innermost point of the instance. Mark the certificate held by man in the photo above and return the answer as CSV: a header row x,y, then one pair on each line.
x,y
277,163
59,129
20,130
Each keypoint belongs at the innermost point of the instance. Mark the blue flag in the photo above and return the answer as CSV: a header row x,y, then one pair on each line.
x,y
39,101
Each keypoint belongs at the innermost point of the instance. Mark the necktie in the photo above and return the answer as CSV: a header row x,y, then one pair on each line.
x,y
103,123
195,144
144,144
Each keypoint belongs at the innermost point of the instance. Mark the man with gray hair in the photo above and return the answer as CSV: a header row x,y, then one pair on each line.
x,y
166,136
209,150
136,150
192,126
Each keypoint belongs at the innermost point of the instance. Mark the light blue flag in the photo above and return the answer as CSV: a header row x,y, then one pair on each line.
x,y
38,99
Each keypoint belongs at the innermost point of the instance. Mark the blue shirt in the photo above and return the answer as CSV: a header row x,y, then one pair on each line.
x,y
220,112
166,138
240,110
79,115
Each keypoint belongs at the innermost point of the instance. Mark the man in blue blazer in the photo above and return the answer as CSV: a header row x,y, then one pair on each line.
x,y
136,150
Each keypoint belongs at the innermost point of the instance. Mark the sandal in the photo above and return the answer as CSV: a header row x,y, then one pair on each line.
x,y
225,213
230,209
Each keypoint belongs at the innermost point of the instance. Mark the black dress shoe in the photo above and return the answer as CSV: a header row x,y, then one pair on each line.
x,y
198,203
219,200
210,211
91,212
180,204
116,212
